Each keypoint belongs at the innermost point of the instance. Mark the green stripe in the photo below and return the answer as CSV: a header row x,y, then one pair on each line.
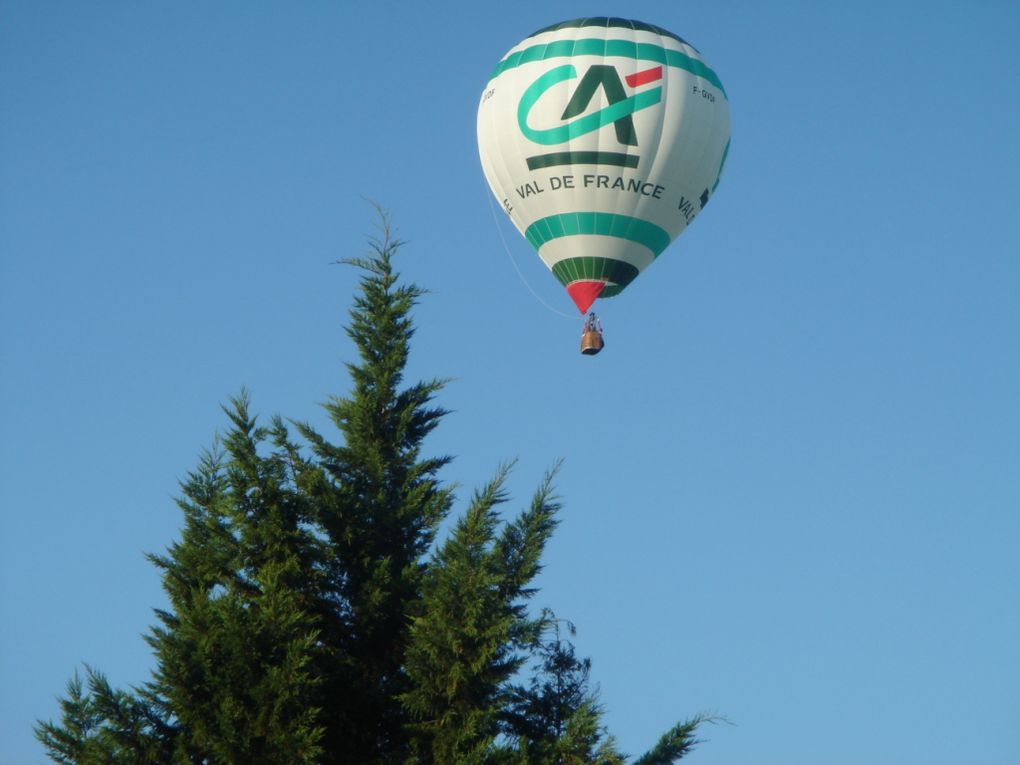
x,y
619,272
620,48
582,158
603,224
611,21
722,164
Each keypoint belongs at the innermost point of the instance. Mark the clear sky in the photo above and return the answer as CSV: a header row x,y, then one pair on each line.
x,y
792,479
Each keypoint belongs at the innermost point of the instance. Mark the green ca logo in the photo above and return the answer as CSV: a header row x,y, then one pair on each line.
x,y
618,112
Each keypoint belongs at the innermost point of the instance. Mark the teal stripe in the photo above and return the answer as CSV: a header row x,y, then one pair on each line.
x,y
621,48
604,224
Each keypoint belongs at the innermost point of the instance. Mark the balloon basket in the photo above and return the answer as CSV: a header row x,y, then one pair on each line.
x,y
591,342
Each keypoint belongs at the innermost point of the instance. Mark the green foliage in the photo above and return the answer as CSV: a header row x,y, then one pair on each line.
x,y
473,630
234,653
557,718
378,503
675,743
101,726
314,616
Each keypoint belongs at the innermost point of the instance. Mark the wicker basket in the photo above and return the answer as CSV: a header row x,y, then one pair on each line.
x,y
591,342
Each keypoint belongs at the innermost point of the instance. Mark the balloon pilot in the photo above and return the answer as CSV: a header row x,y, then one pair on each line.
x,y
591,335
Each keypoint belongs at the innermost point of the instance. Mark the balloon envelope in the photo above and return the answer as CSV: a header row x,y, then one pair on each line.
x,y
602,139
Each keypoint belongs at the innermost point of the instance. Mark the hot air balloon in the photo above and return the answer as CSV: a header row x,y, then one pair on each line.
x,y
602,139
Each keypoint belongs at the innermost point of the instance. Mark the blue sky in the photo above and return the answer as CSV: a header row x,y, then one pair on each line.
x,y
792,479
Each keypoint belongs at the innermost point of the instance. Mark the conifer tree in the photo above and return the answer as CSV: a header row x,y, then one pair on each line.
x,y
378,502
234,654
557,717
473,632
313,615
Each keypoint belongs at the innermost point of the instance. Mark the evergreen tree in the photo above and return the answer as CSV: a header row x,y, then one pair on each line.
x,y
308,621
378,503
234,654
473,632
557,718
100,726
